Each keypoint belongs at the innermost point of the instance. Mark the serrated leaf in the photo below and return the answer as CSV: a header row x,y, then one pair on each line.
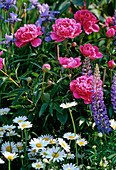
x,y
43,108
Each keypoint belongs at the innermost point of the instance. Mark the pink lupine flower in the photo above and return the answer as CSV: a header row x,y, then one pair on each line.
x,y
87,20
28,33
1,53
111,63
111,31
65,28
70,62
91,51
46,67
1,63
82,88
109,21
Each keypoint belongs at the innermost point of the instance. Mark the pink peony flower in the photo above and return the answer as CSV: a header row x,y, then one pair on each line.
x,y
28,33
65,28
111,31
1,53
46,67
111,63
109,21
70,62
82,88
87,20
1,63
91,51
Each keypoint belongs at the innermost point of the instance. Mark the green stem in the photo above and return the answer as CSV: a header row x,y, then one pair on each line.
x,y
9,165
111,77
43,83
81,156
25,144
74,133
66,48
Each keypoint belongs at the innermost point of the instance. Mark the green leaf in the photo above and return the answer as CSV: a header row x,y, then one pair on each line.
x,y
111,156
58,108
36,65
62,117
87,3
78,2
51,109
64,6
46,97
110,110
43,108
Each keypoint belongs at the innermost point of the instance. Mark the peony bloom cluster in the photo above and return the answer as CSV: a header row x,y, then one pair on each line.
x,y
87,20
82,88
91,51
65,28
28,33
111,31
70,62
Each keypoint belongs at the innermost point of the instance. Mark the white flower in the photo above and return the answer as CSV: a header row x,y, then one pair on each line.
x,y
81,122
4,111
19,146
11,133
38,165
9,147
67,105
88,167
46,161
71,136
9,127
19,119
104,163
10,156
64,144
43,153
70,167
38,143
1,161
46,137
70,156
100,134
34,151
32,156
2,129
23,125
53,141
55,154
81,142
113,124
1,134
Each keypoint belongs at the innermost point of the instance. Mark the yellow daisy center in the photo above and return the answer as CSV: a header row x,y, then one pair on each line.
x,y
9,148
52,141
101,163
55,155
46,139
4,112
20,148
81,143
20,121
17,146
69,155
114,126
39,145
68,169
9,128
10,157
63,145
24,125
38,165
34,150
44,153
11,134
67,105
0,134
1,129
71,137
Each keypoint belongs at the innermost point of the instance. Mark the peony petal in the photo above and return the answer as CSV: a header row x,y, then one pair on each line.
x,y
36,42
54,36
20,44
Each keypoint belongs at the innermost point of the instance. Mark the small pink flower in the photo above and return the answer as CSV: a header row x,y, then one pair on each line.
x,y
111,31
1,53
111,63
28,33
87,20
109,21
1,63
91,51
82,88
70,62
46,67
65,28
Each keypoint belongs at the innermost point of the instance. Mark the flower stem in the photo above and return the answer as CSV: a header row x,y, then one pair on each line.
x,y
9,165
74,133
66,48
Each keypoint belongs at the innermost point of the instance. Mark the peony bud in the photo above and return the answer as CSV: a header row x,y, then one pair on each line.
x,y
111,63
46,67
74,44
49,82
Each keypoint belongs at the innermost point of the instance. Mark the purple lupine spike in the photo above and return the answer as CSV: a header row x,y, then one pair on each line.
x,y
113,93
86,70
98,106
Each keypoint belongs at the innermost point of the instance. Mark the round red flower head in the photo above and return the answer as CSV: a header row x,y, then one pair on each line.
x,y
28,33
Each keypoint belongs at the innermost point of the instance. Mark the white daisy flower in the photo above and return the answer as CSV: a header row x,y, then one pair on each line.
x,y
1,161
19,119
100,134
10,156
46,137
55,154
23,125
1,134
113,124
71,136
38,165
9,147
9,127
38,143
104,163
19,146
70,167
43,153
32,156
11,133
88,167
53,141
81,142
2,129
4,111
67,105
34,151
64,144
70,156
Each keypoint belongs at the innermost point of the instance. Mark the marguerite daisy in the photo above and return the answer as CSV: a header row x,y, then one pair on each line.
x,y
1,134
43,153
9,127
81,142
10,156
70,156
67,105
38,165
4,111
71,136
38,143
19,119
70,167
19,146
9,147
1,161
64,144
11,133
23,125
113,124
46,137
